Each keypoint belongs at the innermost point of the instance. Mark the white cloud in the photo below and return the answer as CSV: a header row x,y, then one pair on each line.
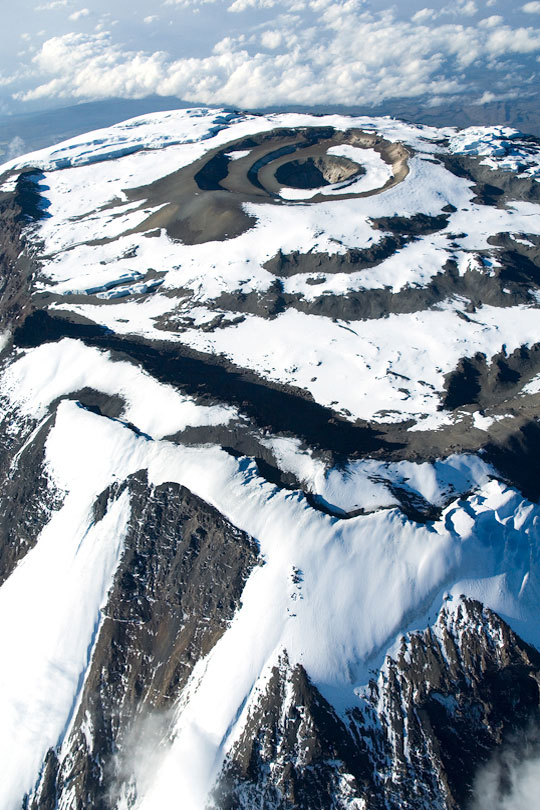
x,y
16,147
5,81
52,5
189,3
491,22
242,5
77,15
332,52
531,8
469,8
486,98
245,5
511,781
423,15
271,39
151,19
505,40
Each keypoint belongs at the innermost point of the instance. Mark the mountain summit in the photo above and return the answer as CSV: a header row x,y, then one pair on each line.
x,y
269,460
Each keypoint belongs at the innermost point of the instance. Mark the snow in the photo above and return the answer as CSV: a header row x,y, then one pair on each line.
x,y
491,141
5,337
42,375
51,613
100,202
377,173
366,484
330,630
413,265
483,422
193,277
391,369
237,155
502,148
363,580
333,631
157,131
146,132
532,387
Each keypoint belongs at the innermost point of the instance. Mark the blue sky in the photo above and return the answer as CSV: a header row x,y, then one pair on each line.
x,y
253,53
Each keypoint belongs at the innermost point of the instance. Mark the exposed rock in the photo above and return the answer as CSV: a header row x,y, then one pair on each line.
x,y
487,383
516,457
177,587
286,265
493,187
433,716
28,494
294,752
17,265
445,697
317,172
211,379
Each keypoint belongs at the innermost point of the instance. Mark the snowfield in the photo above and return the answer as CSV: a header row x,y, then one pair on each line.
x,y
485,546
335,594
193,278
501,147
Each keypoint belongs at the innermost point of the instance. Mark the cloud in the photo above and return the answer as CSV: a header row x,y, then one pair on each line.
x,y
424,15
16,147
52,5
469,8
242,5
511,781
271,39
531,8
334,52
486,98
152,18
491,22
188,3
77,15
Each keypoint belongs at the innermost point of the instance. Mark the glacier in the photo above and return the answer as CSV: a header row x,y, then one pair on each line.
x,y
368,453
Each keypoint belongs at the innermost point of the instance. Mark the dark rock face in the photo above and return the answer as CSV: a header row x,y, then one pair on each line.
x,y
316,172
475,287
177,587
17,266
286,265
433,716
493,187
518,458
465,687
477,381
292,752
28,495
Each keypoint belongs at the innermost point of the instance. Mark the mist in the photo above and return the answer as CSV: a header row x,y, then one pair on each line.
x,y
511,780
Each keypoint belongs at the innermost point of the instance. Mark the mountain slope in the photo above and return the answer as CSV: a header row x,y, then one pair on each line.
x,y
269,438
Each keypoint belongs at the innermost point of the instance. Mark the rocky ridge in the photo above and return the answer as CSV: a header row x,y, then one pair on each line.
x,y
219,432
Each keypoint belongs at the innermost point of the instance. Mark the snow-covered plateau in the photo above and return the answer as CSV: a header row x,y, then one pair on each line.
x,y
269,515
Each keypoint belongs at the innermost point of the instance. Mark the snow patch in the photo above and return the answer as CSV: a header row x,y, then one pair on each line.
x,y
502,148
52,370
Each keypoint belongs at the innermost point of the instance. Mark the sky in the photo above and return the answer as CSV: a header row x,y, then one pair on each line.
x,y
257,53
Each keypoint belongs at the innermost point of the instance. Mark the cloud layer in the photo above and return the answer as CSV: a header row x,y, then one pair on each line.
x,y
300,52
